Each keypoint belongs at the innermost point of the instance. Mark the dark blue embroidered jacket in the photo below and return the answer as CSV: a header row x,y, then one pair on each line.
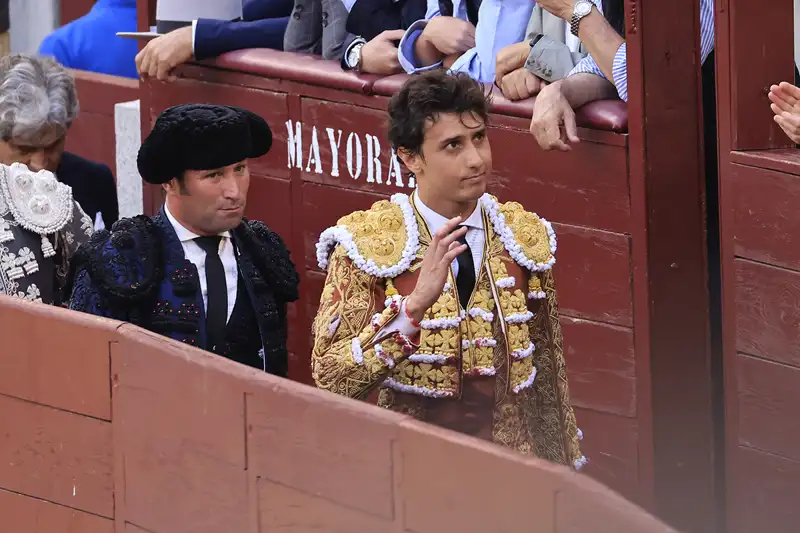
x,y
138,273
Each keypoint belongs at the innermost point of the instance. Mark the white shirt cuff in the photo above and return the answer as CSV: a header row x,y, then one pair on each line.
x,y
194,32
405,51
401,324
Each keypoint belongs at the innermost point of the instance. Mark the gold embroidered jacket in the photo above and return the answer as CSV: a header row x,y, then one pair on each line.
x,y
509,332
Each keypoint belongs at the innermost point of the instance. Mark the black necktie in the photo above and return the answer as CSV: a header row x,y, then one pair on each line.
x,y
465,280
217,306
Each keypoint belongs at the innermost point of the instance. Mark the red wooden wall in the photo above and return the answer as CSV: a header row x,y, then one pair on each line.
x,y
92,135
73,9
110,428
760,193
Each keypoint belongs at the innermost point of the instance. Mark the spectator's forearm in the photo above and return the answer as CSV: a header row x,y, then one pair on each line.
x,y
425,52
580,89
601,40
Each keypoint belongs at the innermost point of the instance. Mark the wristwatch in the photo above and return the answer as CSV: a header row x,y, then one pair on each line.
x,y
354,56
581,10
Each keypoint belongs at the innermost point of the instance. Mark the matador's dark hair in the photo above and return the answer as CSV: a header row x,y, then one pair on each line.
x,y
426,96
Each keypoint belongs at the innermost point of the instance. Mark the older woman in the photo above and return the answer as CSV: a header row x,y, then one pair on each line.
x,y
38,103
41,225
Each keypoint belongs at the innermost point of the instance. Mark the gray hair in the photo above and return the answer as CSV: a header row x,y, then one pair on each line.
x,y
37,98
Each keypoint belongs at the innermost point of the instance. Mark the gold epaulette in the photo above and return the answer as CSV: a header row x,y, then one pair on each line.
x,y
528,238
382,241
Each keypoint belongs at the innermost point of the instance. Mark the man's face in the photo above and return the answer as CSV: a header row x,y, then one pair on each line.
x,y
456,159
209,202
43,153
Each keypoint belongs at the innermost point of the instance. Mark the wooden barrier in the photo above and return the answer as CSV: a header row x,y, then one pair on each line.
x,y
110,428
92,135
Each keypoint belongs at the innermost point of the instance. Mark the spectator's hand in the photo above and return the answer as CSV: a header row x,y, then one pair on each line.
x,y
553,122
510,58
520,84
450,35
379,56
164,53
786,106
560,8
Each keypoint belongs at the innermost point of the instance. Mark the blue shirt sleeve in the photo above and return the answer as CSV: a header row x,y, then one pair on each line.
x,y
500,23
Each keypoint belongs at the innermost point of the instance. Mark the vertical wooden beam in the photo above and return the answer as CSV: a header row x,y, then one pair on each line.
x,y
666,158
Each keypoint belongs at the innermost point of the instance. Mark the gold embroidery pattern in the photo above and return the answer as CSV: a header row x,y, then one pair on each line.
x,y
529,232
350,300
411,405
379,233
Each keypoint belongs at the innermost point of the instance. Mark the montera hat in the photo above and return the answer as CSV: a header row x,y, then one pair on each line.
x,y
201,137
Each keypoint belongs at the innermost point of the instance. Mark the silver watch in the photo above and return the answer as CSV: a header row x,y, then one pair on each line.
x,y
354,56
581,10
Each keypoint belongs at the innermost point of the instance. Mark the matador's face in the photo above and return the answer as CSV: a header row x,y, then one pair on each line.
x,y
456,159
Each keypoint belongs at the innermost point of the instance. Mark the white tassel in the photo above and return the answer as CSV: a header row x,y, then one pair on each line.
x,y
47,248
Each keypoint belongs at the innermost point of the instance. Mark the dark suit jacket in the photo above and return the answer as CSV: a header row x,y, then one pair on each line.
x,y
368,18
263,26
93,186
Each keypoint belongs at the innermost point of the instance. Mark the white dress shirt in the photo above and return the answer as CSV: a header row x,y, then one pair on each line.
x,y
197,256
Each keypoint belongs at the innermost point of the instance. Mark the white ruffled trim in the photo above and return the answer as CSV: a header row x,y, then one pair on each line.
x,y
581,462
414,389
486,371
537,295
447,287
527,383
506,283
509,241
380,354
480,342
450,322
525,353
329,238
355,348
488,316
376,321
430,358
519,318
580,434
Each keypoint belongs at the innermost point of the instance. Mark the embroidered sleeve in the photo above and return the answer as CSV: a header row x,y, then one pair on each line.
x,y
558,435
349,357
85,297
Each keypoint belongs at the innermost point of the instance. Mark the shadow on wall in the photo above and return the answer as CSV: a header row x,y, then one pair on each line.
x,y
110,423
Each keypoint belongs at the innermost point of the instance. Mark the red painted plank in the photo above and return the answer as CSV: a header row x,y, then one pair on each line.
x,y
34,365
588,188
768,398
56,456
270,201
352,147
601,368
593,274
559,188
21,514
767,312
98,93
762,493
765,215
180,430
271,106
611,444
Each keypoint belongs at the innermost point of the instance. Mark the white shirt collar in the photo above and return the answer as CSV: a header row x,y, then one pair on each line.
x,y
185,235
435,221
